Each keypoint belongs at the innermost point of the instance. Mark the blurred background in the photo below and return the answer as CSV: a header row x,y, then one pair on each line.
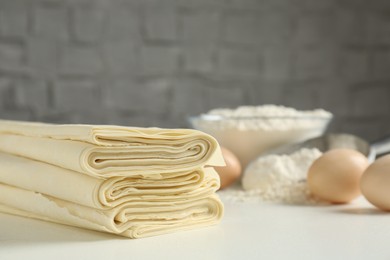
x,y
155,62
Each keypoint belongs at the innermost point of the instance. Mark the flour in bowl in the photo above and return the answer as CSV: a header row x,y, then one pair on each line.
x,y
268,117
249,131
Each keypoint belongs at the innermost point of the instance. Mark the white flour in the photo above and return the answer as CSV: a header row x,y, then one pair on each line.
x,y
268,117
250,130
279,178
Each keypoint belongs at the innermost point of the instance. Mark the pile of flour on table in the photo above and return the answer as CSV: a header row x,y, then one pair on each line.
x,y
277,178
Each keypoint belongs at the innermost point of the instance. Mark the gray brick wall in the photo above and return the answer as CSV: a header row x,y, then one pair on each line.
x,y
154,63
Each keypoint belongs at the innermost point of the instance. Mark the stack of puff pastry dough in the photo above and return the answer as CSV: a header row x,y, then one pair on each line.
x,y
134,182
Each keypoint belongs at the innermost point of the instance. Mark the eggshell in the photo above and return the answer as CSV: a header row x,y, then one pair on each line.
x,y
375,183
232,171
335,176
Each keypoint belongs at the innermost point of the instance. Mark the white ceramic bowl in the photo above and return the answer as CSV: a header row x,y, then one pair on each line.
x,y
248,137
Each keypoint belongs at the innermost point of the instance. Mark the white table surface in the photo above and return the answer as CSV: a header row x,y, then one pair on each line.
x,y
248,231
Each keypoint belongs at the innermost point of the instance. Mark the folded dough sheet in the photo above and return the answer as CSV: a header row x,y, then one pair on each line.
x,y
138,221
133,182
104,151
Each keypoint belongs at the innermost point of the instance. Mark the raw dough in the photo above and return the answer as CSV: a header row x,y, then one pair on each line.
x,y
104,151
134,182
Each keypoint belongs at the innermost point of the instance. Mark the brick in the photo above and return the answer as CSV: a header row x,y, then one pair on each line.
x,y
315,5
226,97
130,120
4,83
13,21
159,60
88,24
272,28
205,4
354,65
199,60
86,117
55,116
189,98
275,28
11,55
251,5
350,27
78,2
42,55
156,95
300,97
379,5
16,114
277,64
130,95
51,22
6,94
140,120
121,58
314,63
315,29
266,92
246,4
366,128
80,61
238,63
169,122
160,24
334,96
76,95
378,28
32,94
158,121
354,4
242,29
380,65
371,101
122,23
385,129
118,119
200,27
145,3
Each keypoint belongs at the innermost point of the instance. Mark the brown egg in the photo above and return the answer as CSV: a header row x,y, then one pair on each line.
x,y
335,176
232,171
375,183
